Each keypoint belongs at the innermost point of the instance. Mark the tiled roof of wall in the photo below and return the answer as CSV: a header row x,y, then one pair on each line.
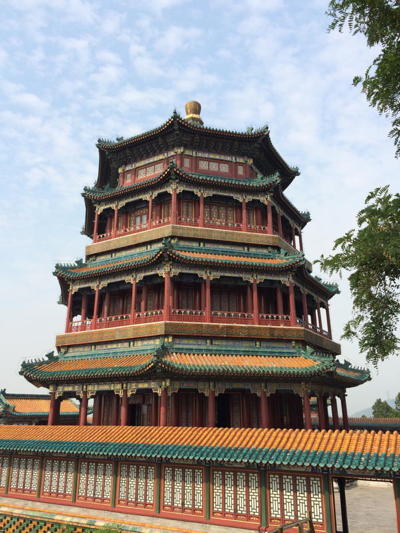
x,y
372,452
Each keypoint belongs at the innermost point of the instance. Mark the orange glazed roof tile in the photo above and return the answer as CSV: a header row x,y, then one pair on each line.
x,y
131,362
34,404
376,453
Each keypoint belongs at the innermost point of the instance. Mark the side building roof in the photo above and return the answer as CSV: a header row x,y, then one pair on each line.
x,y
16,405
360,452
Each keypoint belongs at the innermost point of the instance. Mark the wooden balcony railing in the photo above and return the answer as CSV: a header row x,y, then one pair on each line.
x,y
187,315
185,221
274,320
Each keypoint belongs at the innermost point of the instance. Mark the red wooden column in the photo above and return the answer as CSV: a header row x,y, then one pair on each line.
x,y
328,320
96,307
279,301
293,237
307,411
201,210
115,221
319,316
69,312
211,408
83,409
396,490
154,410
265,414
163,407
95,226
244,215
208,300
321,412
335,416
301,241
133,301
116,404
280,231
54,410
305,306
345,417
270,226
84,307
292,305
150,213
167,295
106,304
124,408
255,302
174,409
174,206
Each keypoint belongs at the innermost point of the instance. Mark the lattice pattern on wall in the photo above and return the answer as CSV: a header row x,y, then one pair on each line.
x,y
95,481
4,466
58,478
24,475
136,485
235,494
183,489
293,497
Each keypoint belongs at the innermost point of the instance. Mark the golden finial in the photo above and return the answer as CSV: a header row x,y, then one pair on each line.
x,y
193,110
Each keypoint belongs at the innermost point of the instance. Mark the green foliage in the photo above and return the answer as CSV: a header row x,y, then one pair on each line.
x,y
108,529
382,409
397,402
379,21
371,253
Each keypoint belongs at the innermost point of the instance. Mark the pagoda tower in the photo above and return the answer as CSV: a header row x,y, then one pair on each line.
x,y
195,304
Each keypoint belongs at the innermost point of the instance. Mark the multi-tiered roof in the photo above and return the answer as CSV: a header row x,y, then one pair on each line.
x,y
199,252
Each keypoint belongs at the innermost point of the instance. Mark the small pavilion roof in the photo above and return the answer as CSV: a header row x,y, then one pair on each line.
x,y
32,404
266,362
366,452
265,260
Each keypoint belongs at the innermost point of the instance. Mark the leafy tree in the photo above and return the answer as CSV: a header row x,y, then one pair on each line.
x,y
382,409
371,253
397,403
379,21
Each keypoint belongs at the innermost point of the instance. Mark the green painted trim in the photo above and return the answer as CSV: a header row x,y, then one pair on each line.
x,y
157,481
75,480
207,496
114,484
328,507
40,477
263,494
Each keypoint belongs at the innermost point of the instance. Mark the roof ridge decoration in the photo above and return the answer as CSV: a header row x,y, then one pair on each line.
x,y
177,120
331,286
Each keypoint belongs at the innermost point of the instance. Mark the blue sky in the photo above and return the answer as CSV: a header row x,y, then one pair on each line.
x,y
76,70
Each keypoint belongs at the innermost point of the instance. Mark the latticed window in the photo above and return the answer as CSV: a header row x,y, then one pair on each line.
x,y
220,214
137,218
120,303
188,297
187,209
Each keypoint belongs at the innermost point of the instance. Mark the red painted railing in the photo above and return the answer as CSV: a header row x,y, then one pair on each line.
x,y
183,221
231,317
274,320
188,315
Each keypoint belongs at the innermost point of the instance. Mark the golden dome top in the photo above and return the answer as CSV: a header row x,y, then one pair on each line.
x,y
193,110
